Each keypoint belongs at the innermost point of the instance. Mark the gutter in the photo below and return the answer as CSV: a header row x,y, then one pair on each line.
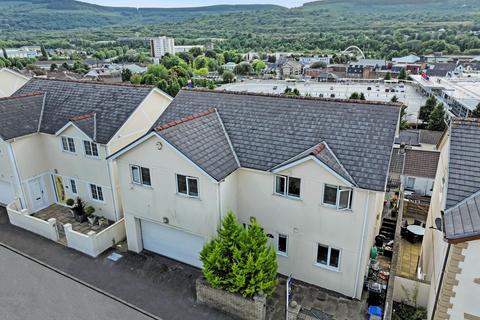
x,y
437,296
113,186
362,240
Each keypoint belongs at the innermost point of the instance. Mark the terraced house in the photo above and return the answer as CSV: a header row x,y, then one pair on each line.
x,y
311,171
55,137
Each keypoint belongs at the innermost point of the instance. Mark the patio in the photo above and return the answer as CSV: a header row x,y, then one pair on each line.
x,y
409,255
63,216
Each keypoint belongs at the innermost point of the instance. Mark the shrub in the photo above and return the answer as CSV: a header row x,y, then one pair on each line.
x,y
70,202
239,260
89,210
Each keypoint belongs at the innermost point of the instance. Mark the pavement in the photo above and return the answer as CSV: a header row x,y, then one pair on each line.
x,y
155,284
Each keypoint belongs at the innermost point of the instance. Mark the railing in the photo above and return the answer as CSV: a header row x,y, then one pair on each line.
x,y
22,218
94,243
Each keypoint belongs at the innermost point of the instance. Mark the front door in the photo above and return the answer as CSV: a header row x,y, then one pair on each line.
x,y
38,194
60,189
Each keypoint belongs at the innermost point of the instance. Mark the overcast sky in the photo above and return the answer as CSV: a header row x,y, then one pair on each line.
x,y
190,3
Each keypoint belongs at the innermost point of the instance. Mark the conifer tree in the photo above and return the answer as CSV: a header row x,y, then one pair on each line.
x,y
437,118
426,110
240,260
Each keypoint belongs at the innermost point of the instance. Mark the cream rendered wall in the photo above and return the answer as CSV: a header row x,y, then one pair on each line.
x,y
140,121
434,248
467,292
6,170
198,216
307,222
41,154
10,81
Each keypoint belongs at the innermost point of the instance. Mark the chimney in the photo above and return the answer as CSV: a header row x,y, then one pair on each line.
x,y
402,148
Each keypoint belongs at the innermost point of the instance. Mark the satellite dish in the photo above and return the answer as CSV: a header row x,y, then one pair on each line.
x,y
438,223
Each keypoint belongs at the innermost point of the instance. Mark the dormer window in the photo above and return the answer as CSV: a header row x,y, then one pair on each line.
x,y
91,148
68,144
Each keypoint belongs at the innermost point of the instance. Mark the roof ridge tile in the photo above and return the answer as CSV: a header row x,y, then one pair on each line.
x,y
24,95
261,94
97,82
185,119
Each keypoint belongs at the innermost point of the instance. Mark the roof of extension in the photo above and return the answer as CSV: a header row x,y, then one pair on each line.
x,y
268,130
463,220
112,104
421,163
201,137
20,115
464,164
418,137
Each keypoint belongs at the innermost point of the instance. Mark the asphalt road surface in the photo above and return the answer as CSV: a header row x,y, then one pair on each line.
x,y
31,291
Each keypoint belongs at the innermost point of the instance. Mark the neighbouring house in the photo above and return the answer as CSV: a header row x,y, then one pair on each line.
x,y
309,60
55,137
414,169
291,68
450,252
441,69
230,66
312,172
10,81
365,68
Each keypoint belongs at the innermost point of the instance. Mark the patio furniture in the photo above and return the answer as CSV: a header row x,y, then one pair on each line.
x,y
417,222
416,229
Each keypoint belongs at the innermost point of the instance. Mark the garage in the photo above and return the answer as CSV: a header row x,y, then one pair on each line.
x,y
173,243
6,192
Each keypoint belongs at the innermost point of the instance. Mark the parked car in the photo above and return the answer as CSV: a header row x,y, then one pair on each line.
x,y
387,90
331,88
332,95
275,87
369,88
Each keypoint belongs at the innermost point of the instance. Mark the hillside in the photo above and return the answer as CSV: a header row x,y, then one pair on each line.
x,y
47,15
382,28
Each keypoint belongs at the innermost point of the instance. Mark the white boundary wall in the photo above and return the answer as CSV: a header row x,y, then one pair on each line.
x,y
93,243
403,284
22,218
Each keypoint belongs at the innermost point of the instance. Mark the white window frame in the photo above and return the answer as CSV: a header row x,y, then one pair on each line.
x,y
73,185
140,181
187,178
286,187
281,253
90,185
340,189
329,254
91,144
68,140
407,184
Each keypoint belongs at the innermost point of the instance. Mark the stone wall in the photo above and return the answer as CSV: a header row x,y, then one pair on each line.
x,y
235,304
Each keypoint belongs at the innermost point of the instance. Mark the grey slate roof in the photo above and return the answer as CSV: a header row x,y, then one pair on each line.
x,y
87,123
20,115
267,130
464,160
463,220
202,138
113,104
430,137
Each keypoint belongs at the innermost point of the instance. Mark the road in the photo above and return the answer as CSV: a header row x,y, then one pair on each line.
x,y
30,290
410,96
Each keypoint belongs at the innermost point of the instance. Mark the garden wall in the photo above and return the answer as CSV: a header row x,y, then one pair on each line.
x,y
235,304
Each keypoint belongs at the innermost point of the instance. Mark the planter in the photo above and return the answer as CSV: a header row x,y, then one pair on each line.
x,y
92,220
80,218
232,303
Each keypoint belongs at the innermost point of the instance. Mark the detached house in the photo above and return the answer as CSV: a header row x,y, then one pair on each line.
x,y
55,137
311,171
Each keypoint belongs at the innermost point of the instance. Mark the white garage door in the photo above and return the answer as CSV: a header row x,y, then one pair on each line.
x,y
6,192
182,246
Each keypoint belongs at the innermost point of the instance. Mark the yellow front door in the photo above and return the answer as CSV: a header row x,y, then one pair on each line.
x,y
59,189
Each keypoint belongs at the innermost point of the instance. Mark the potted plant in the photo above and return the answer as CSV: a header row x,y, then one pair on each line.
x,y
69,203
102,222
89,212
79,210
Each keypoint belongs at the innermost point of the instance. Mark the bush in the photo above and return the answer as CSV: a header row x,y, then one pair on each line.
x,y
239,260
70,202
89,210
